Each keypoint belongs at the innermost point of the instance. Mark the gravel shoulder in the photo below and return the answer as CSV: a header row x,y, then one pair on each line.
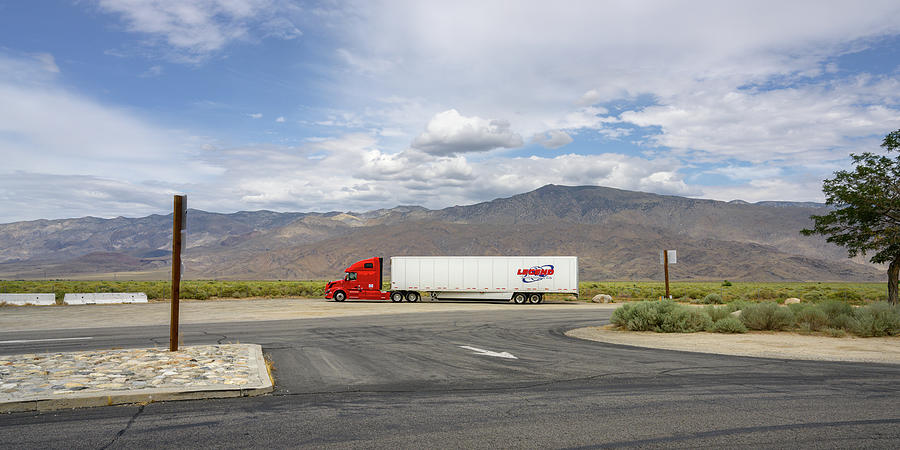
x,y
779,345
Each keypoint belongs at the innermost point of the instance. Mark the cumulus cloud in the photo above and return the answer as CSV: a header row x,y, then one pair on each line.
x,y
450,133
280,119
192,31
552,139
255,115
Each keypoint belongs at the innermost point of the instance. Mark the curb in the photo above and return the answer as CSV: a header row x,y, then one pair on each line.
x,y
48,402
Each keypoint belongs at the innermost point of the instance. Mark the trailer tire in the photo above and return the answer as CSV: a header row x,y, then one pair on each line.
x,y
412,296
519,298
396,297
534,299
340,296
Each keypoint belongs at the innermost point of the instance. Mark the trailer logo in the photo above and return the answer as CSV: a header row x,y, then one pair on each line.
x,y
536,273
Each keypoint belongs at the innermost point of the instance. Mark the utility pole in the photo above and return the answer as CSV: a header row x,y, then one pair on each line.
x,y
178,229
665,256
666,266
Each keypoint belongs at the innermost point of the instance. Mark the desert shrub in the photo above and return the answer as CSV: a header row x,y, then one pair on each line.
x,y
813,296
711,299
767,316
717,313
729,325
726,283
684,320
877,319
811,318
835,332
664,317
839,315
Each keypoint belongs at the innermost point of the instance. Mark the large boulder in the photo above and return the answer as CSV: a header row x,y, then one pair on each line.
x,y
602,298
791,301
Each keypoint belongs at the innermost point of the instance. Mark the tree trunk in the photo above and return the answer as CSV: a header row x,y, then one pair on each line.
x,y
893,272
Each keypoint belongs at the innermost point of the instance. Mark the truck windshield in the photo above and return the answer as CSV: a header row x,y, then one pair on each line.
x,y
350,276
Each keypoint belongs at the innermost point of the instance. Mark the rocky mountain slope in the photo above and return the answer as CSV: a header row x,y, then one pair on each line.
x,y
617,234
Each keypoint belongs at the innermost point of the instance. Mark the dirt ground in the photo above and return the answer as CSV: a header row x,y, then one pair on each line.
x,y
761,344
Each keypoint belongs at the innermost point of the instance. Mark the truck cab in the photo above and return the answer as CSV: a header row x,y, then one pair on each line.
x,y
362,280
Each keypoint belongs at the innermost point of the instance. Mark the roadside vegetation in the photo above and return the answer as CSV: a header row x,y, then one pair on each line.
x,y
158,290
832,318
728,292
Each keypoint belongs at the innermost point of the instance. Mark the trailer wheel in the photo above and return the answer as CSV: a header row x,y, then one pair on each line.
x,y
412,296
534,299
340,296
396,297
519,298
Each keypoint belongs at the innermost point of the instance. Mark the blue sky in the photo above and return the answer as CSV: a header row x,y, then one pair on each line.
x,y
108,107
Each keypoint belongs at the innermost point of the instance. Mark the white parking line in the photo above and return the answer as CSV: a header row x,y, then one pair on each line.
x,y
480,351
23,341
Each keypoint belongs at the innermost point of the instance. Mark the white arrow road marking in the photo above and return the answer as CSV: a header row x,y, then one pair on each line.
x,y
22,341
481,351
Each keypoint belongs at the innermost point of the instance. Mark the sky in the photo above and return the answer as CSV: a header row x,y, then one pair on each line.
x,y
110,107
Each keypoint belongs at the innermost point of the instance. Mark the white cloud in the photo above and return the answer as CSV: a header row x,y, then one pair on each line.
x,y
808,122
47,131
450,133
280,119
48,62
351,172
547,68
552,139
152,72
194,30
255,115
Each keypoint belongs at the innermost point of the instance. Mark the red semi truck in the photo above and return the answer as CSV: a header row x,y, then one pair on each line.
x,y
522,279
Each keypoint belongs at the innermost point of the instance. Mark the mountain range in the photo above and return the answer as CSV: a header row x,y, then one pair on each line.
x,y
616,234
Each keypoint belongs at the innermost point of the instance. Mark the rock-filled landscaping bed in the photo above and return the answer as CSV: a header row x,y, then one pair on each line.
x,y
832,318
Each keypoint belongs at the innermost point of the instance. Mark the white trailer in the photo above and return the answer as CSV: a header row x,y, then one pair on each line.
x,y
517,278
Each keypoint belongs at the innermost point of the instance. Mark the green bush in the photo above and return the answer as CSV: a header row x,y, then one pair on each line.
x,y
726,283
711,299
717,313
835,332
813,296
811,318
684,320
877,319
663,317
767,316
729,325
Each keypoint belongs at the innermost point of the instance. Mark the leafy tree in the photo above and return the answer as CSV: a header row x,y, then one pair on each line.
x,y
866,218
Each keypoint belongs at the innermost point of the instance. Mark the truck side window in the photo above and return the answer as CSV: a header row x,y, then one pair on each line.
x,y
368,266
350,276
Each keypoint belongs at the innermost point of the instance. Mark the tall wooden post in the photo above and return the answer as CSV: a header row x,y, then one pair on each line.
x,y
666,269
177,234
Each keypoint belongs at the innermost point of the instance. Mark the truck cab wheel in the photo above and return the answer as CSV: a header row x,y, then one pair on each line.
x,y
534,299
396,297
340,296
519,298
412,296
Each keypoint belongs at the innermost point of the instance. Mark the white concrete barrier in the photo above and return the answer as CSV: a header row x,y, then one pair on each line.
x,y
29,299
99,298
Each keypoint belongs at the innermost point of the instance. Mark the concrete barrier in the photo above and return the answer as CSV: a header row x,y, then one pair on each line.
x,y
100,298
29,299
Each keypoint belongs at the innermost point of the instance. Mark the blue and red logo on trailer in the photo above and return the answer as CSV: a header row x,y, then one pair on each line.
x,y
536,273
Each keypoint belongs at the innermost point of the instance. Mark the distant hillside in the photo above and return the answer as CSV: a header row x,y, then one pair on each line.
x,y
616,234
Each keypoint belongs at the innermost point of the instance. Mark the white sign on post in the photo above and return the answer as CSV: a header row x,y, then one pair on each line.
x,y
672,258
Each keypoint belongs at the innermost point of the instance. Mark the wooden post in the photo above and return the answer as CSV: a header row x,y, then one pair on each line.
x,y
177,230
666,269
